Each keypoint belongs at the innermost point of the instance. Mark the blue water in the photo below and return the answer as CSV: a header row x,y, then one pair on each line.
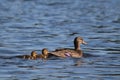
x,y
27,25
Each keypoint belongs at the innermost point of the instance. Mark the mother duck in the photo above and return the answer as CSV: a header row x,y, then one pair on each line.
x,y
66,52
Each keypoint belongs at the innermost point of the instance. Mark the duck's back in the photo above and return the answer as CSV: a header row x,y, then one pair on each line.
x,y
67,53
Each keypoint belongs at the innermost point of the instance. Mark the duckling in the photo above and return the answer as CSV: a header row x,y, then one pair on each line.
x,y
32,56
66,52
44,54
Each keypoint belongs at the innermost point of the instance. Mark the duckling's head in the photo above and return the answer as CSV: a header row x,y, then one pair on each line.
x,y
33,54
45,52
78,41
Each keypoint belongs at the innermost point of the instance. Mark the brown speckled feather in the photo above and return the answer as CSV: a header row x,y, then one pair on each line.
x,y
71,52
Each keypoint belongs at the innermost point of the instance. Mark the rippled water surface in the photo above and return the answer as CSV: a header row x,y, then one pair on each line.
x,y
27,25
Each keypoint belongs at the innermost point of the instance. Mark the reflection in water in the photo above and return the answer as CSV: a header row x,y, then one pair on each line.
x,y
77,62
28,25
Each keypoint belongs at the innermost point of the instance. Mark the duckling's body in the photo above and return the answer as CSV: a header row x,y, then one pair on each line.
x,y
32,56
45,54
66,52
26,57
40,56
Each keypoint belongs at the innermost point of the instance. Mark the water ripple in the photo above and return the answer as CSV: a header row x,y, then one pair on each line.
x,y
28,25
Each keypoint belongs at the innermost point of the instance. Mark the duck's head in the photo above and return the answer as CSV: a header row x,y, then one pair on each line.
x,y
78,41
45,52
33,54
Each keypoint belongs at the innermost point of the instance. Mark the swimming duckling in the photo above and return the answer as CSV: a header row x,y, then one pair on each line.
x,y
44,54
66,52
32,56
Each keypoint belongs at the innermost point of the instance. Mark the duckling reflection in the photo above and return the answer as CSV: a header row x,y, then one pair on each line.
x,y
77,62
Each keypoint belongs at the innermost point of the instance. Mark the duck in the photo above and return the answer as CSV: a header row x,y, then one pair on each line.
x,y
76,52
43,55
46,54
32,56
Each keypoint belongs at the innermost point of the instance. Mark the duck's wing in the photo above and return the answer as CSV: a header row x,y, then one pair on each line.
x,y
61,49
67,53
57,54
52,55
62,52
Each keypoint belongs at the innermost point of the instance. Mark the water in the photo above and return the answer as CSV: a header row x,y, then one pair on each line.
x,y
27,25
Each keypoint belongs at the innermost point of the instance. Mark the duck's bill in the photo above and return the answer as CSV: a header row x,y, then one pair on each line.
x,y
84,42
